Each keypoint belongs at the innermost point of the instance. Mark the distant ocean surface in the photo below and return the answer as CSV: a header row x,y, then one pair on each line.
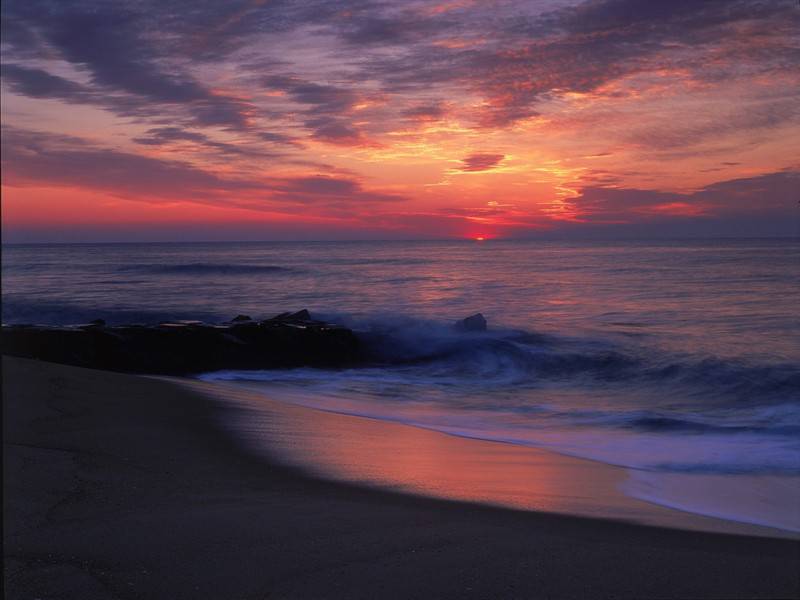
x,y
663,357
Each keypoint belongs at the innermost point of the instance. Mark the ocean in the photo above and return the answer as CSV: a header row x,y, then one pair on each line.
x,y
664,357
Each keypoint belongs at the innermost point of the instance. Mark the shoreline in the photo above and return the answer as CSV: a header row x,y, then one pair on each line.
x,y
422,461
124,486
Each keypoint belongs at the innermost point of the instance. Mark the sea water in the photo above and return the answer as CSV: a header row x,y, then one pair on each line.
x,y
679,359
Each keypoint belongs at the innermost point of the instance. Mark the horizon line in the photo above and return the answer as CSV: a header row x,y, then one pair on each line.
x,y
415,240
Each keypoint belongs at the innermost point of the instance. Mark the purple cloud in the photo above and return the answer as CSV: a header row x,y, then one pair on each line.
x,y
34,158
481,162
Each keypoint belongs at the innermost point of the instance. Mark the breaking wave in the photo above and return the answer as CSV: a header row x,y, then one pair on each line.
x,y
619,403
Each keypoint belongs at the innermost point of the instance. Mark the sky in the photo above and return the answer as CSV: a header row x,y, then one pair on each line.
x,y
171,120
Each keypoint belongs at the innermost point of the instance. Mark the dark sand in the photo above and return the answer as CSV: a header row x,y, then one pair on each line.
x,y
124,487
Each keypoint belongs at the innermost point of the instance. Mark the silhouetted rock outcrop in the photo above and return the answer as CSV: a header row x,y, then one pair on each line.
x,y
290,317
184,347
476,322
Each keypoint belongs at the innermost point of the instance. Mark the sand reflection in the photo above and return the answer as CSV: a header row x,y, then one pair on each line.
x,y
410,459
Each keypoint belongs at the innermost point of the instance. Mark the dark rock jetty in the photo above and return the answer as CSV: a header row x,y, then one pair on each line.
x,y
186,347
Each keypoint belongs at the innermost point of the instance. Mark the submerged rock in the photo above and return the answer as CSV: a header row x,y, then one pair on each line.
x,y
476,322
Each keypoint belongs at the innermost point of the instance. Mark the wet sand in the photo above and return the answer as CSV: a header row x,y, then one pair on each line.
x,y
399,457
126,487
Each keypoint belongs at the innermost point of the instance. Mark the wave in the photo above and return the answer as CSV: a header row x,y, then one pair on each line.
x,y
378,261
205,269
607,400
626,439
197,268
534,359
208,269
685,425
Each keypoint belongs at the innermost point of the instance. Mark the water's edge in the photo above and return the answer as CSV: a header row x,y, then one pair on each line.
x,y
622,494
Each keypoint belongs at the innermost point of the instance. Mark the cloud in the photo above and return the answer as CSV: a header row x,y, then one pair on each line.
x,y
426,112
481,162
395,29
278,138
37,83
336,131
327,111
329,190
323,99
722,122
151,54
32,158
113,45
769,196
162,136
232,96
583,47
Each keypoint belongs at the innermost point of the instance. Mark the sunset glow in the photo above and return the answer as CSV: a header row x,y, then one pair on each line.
x,y
354,120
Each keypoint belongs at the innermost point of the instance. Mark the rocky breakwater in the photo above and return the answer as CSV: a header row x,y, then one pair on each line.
x,y
185,347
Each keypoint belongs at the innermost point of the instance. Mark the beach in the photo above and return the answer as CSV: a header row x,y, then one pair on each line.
x,y
119,486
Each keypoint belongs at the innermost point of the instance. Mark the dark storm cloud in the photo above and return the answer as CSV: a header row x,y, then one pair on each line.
x,y
481,162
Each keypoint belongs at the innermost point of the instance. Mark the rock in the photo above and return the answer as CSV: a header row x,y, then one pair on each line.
x,y
476,322
300,315
240,318
185,347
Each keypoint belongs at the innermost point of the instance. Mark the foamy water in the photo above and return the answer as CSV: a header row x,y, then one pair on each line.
x,y
672,359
